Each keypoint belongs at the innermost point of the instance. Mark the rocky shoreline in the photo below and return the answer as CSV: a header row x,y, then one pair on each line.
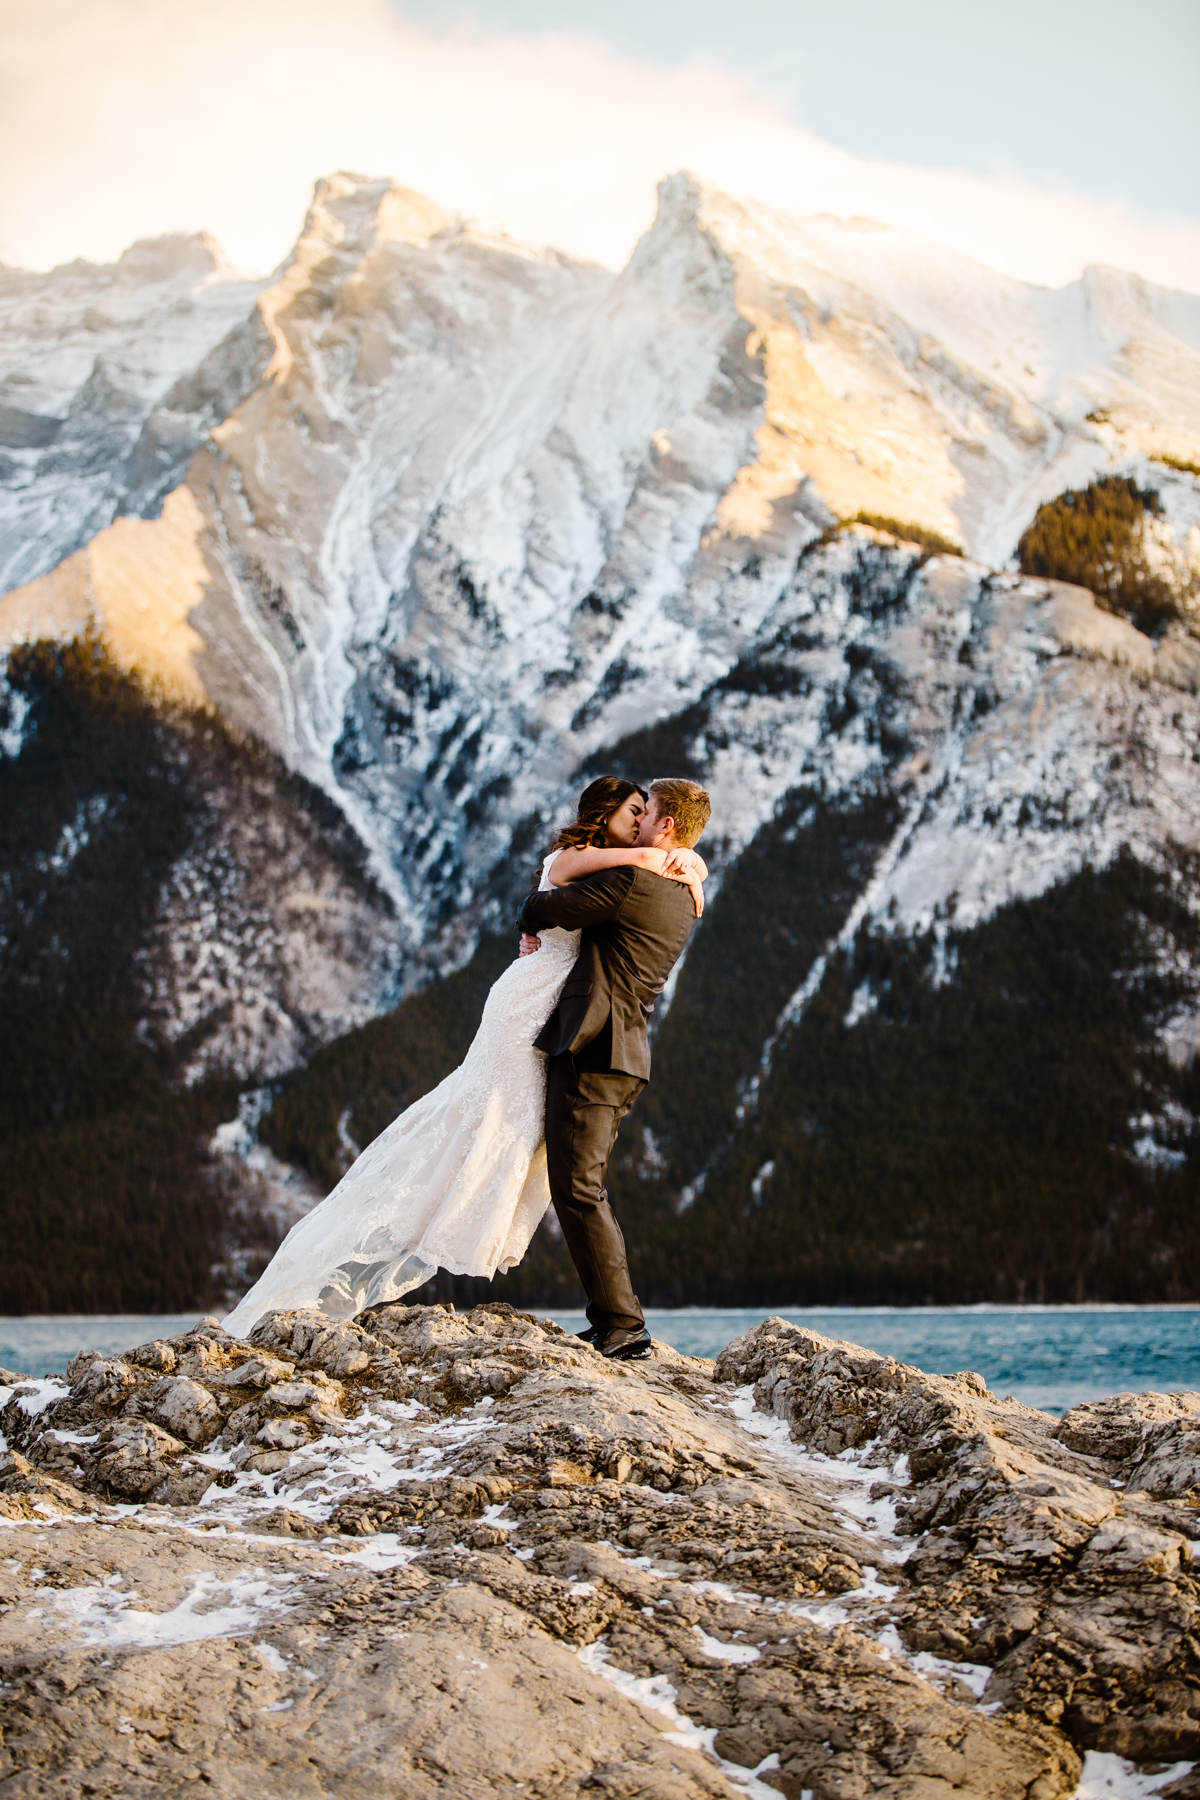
x,y
429,1553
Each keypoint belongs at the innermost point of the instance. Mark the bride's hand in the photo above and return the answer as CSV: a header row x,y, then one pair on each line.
x,y
683,865
697,889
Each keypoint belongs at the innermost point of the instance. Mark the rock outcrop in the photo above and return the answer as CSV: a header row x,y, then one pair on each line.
x,y
427,1553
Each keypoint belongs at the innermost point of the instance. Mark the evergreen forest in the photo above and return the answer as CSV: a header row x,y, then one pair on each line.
x,y
111,1199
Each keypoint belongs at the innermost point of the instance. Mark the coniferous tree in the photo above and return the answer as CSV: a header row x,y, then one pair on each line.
x,y
1096,538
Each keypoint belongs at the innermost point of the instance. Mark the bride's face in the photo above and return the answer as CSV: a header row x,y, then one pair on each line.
x,y
623,824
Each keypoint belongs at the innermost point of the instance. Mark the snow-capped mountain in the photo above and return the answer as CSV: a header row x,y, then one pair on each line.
x,y
445,523
480,510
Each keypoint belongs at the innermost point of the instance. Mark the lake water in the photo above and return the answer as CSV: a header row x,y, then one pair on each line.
x,y
1050,1356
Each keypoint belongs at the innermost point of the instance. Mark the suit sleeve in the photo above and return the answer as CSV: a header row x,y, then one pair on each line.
x,y
589,901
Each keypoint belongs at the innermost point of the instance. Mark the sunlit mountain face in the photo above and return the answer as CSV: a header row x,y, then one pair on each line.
x,y
323,596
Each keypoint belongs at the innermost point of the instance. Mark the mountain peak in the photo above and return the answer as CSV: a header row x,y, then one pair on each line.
x,y
195,255
350,213
681,194
751,229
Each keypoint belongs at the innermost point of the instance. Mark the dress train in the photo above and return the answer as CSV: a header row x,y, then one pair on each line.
x,y
457,1181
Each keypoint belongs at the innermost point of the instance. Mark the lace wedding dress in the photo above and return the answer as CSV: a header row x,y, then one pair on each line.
x,y
457,1182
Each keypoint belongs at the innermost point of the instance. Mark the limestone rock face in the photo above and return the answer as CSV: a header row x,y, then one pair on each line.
x,y
427,1553
1070,1587
111,375
1151,1441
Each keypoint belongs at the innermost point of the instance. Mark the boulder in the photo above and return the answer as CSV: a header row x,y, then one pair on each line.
x,y
186,1408
1149,1442
336,1346
130,1458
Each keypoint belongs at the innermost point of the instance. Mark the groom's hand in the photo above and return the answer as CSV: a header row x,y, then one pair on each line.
x,y
528,944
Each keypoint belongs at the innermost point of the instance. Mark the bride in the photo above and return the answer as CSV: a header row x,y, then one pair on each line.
x,y
458,1180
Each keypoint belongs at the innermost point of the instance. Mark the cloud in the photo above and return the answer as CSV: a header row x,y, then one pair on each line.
x,y
124,118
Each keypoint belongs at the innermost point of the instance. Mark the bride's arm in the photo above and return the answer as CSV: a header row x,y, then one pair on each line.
x,y
569,864
680,864
676,865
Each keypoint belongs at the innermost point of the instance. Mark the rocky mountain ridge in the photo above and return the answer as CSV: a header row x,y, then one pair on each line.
x,y
111,377
475,502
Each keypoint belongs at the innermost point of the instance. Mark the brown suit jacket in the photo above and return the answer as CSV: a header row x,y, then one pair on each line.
x,y
634,927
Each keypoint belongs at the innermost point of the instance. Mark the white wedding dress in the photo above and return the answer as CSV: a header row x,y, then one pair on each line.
x,y
457,1182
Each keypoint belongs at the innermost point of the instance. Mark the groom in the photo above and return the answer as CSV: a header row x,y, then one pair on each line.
x,y
634,927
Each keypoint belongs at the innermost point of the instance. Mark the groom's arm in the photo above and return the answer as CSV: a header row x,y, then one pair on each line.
x,y
589,901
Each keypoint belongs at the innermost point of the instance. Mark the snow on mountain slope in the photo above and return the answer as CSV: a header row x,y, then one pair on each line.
x,y
223,899
949,393
1024,733
109,378
477,514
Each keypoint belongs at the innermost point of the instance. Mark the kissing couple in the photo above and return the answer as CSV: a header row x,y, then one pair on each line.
x,y
460,1179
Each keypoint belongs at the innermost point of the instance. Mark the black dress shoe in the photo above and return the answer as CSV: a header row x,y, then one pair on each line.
x,y
622,1344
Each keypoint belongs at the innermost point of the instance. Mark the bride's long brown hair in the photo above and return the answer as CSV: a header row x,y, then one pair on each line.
x,y
598,802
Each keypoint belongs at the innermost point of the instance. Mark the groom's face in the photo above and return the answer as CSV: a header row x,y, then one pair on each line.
x,y
650,826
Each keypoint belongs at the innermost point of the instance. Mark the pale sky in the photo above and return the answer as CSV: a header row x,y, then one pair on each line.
x,y
1085,93
1037,137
